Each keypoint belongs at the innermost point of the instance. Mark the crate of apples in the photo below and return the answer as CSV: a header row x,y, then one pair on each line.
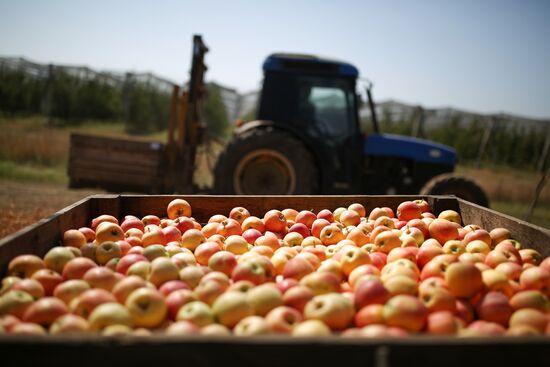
x,y
390,272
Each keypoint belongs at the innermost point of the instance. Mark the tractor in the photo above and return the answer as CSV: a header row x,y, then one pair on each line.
x,y
306,139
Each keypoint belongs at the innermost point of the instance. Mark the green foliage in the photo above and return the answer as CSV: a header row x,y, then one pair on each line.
x,y
215,113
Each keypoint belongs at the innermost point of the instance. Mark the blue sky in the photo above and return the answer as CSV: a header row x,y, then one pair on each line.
x,y
486,56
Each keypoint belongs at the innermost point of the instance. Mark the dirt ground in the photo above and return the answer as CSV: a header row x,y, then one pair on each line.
x,y
24,203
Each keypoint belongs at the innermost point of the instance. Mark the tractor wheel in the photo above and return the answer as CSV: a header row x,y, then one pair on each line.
x,y
266,162
449,184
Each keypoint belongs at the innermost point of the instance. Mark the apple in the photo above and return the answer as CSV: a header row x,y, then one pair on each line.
x,y
31,286
182,328
108,314
239,214
535,278
263,298
162,270
401,284
386,241
251,326
269,240
297,297
274,221
223,261
88,233
127,261
107,231
450,215
15,303
28,328
359,236
478,246
443,230
57,257
282,319
229,227
253,222
290,214
530,317
101,277
385,221
191,275
103,218
530,256
305,217
178,298
293,239
209,229
24,266
70,289
68,324
349,218
147,307
327,215
49,279
333,309
530,299
258,269
494,307
178,208
74,238
405,311
199,313
297,268
321,282
463,279
359,208
408,210
442,323
250,235
183,224
352,257
232,307
310,328
370,291
369,315
208,291
511,269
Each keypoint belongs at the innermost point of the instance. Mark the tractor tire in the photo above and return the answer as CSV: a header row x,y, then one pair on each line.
x,y
266,162
450,184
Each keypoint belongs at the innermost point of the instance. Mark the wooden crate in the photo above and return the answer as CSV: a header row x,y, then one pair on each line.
x,y
93,350
115,164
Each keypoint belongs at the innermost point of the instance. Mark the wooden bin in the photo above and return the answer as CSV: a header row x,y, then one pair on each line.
x,y
93,350
115,164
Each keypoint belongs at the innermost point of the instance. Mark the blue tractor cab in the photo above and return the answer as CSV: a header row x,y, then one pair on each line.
x,y
306,139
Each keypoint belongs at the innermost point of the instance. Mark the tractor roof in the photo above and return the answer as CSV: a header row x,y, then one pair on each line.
x,y
308,63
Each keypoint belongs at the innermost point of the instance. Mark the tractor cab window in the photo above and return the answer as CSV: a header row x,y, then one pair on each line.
x,y
327,107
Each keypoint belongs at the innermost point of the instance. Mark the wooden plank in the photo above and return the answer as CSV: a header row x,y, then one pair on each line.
x,y
149,158
114,177
114,166
275,351
530,235
84,140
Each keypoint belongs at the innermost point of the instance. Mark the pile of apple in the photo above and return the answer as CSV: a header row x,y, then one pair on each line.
x,y
343,272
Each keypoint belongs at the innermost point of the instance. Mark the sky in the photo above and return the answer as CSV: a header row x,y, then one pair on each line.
x,y
486,56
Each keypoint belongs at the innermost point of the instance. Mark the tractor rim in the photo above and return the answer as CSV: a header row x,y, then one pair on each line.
x,y
264,172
